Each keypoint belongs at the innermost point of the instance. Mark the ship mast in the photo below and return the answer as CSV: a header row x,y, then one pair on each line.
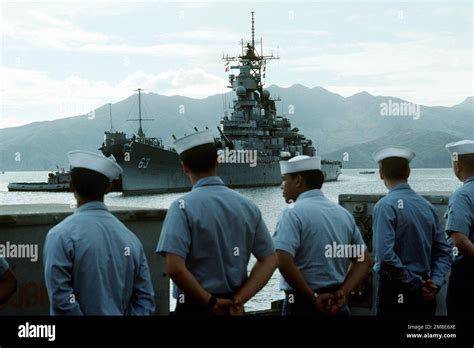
x,y
140,130
252,66
141,133
253,31
257,61
110,115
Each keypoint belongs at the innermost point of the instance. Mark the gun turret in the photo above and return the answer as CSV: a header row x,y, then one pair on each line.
x,y
228,143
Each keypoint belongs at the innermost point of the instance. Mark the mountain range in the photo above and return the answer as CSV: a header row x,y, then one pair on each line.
x,y
355,126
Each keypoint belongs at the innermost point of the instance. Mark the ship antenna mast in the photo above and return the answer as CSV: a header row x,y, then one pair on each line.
x,y
253,31
141,134
140,130
110,114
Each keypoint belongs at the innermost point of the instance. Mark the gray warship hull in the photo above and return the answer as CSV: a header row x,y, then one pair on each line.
x,y
157,170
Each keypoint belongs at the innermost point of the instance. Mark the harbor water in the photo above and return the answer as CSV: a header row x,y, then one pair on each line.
x,y
268,199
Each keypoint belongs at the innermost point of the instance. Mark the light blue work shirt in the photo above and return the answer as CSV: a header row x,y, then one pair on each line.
x,y
3,266
408,240
308,230
460,214
215,229
94,265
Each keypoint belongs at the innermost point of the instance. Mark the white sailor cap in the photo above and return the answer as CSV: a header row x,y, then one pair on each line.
x,y
193,140
393,151
93,161
300,164
463,147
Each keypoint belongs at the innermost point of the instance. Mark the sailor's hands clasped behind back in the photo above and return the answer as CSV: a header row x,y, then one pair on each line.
x,y
330,303
232,307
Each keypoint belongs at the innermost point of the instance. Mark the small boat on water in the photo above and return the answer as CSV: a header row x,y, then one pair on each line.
x,y
367,172
58,181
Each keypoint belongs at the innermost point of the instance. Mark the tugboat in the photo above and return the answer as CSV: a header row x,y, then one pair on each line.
x,y
58,181
253,126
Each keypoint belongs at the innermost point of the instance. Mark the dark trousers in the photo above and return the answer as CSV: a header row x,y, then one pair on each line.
x,y
394,299
187,306
460,297
296,304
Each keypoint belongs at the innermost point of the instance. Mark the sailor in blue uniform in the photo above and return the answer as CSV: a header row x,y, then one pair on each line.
x,y
93,264
412,255
8,281
208,236
460,227
317,241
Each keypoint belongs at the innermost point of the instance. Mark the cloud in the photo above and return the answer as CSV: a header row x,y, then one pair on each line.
x,y
210,35
300,33
35,90
425,37
419,68
377,58
427,66
188,82
155,50
408,92
39,30
361,17
32,90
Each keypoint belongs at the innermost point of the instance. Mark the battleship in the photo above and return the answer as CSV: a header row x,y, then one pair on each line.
x,y
253,125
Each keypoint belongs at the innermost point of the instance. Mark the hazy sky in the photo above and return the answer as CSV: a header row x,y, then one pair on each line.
x,y
62,58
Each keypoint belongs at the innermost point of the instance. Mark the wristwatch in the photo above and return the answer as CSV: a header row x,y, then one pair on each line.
x,y
315,296
212,302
